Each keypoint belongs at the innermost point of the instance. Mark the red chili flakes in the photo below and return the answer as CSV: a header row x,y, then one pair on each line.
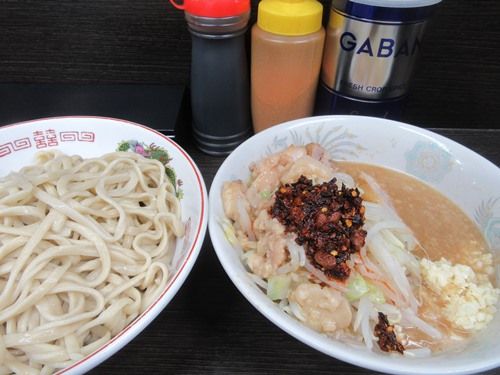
x,y
387,340
327,221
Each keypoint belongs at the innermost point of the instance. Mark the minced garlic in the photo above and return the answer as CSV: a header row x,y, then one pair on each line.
x,y
469,302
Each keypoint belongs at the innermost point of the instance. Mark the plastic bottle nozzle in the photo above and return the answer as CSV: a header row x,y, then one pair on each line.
x,y
290,17
213,8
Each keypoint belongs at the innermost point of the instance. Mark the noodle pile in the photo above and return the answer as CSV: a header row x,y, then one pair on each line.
x,y
85,247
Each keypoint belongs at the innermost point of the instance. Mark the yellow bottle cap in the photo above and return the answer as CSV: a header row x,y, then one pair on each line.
x,y
290,17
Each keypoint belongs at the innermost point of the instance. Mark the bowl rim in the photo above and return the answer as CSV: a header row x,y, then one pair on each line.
x,y
256,298
134,328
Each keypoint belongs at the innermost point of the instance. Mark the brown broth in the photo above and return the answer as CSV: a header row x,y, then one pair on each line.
x,y
440,226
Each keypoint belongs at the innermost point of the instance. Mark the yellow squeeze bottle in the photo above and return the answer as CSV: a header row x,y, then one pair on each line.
x,y
287,47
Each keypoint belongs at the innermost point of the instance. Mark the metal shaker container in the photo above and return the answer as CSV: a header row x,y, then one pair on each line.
x,y
371,50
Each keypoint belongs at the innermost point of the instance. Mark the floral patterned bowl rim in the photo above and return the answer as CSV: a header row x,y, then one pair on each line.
x,y
90,136
468,179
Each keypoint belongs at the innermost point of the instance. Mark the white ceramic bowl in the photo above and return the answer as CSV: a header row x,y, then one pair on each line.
x,y
94,136
465,177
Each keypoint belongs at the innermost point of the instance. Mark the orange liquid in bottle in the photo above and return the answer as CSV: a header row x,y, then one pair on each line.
x,y
284,74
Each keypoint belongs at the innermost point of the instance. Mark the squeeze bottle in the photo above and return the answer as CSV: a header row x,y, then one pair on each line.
x,y
287,47
220,89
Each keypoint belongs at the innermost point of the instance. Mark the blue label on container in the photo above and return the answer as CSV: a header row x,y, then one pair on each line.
x,y
330,102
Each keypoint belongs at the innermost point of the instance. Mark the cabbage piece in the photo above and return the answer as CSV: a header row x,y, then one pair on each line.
x,y
278,287
359,287
266,194
228,230
356,288
375,294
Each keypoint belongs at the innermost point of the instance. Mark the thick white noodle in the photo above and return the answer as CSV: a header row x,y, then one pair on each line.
x,y
85,247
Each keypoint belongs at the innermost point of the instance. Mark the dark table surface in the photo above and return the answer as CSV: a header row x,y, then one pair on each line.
x,y
131,41
210,328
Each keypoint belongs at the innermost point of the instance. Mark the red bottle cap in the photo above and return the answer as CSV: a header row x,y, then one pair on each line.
x,y
214,8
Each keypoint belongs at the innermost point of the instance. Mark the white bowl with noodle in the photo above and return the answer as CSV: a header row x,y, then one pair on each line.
x,y
132,224
467,179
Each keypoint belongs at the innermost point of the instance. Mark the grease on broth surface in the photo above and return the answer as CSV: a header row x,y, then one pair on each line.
x,y
443,231
440,226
